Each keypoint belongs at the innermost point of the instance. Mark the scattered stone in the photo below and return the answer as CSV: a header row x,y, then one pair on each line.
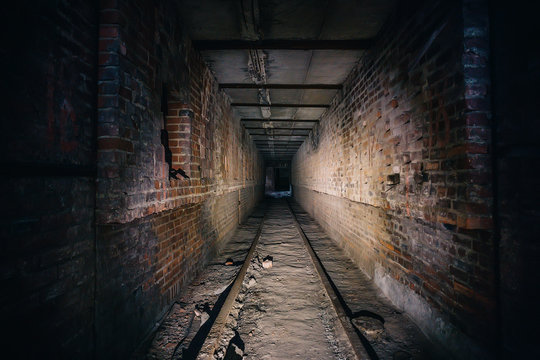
x,y
251,282
369,326
202,311
204,317
267,262
221,289
234,353
235,350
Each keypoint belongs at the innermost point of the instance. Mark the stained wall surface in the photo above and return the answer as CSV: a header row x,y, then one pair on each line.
x,y
99,241
47,141
155,234
399,172
422,170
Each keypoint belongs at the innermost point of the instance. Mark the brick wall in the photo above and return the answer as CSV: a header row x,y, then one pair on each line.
x,y
47,179
97,240
155,234
399,171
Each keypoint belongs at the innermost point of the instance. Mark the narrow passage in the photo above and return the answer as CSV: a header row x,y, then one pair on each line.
x,y
282,310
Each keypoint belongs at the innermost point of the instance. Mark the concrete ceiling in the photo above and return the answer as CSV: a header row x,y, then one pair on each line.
x,y
282,61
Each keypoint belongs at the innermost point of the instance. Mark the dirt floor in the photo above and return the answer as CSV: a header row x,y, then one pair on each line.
x,y
282,310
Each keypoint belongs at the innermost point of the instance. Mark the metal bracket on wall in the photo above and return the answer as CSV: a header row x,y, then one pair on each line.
x,y
173,173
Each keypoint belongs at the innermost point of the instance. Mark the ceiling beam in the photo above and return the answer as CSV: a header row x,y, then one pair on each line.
x,y
278,136
293,146
285,120
283,146
280,144
274,128
358,44
283,105
279,141
281,86
275,144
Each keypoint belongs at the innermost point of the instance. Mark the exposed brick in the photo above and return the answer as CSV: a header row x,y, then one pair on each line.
x,y
115,144
470,222
165,230
47,224
438,142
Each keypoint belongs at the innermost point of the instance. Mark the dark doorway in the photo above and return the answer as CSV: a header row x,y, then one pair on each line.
x,y
278,181
282,176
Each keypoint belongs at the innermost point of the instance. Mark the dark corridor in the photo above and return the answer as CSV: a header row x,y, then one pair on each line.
x,y
205,178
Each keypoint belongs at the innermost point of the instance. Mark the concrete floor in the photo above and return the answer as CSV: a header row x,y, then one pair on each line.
x,y
283,312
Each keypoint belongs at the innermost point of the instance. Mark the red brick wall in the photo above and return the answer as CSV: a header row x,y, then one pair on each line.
x,y
399,170
96,244
47,257
155,234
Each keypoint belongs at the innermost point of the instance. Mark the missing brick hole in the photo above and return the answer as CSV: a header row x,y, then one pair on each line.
x,y
392,179
421,177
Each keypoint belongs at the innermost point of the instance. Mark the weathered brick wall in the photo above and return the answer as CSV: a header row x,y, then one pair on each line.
x,y
398,171
155,234
47,187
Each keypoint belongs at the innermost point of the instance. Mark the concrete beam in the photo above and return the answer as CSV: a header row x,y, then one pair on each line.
x,y
284,120
281,86
358,44
273,128
282,105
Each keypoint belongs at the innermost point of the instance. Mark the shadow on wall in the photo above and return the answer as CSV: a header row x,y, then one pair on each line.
x,y
164,252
